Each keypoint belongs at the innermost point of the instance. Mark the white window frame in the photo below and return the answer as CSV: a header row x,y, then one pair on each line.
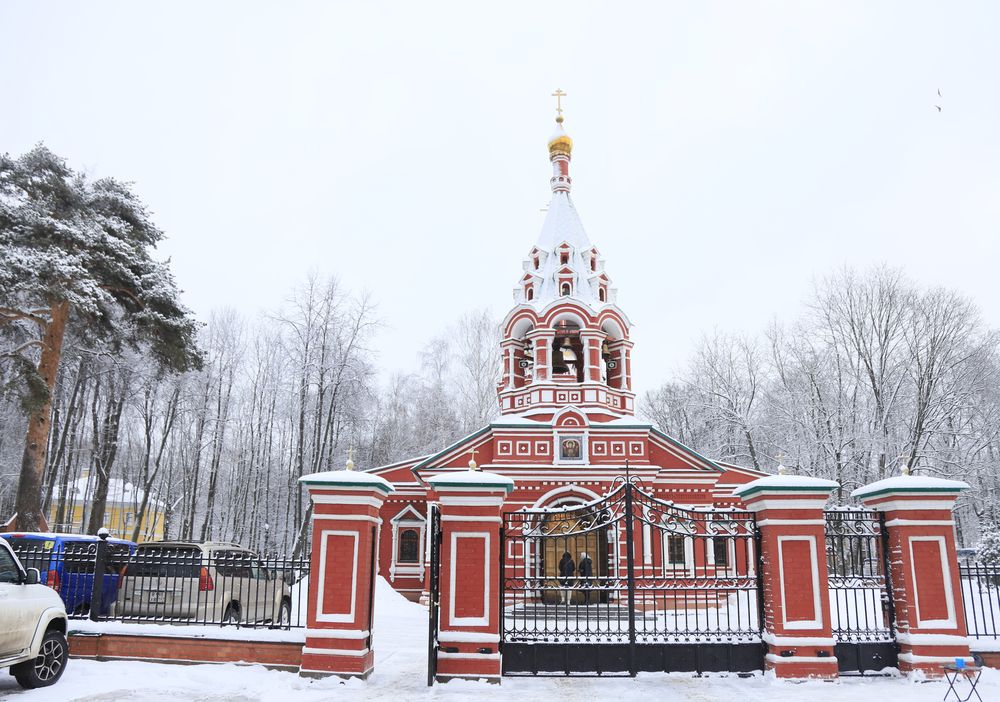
x,y
408,518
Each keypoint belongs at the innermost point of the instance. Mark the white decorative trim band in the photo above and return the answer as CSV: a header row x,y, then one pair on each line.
x,y
467,637
337,634
335,651
464,518
776,640
791,522
472,500
920,522
473,656
346,500
932,639
893,505
345,518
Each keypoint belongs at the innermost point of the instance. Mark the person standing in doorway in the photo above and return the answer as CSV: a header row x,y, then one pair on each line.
x,y
586,572
566,570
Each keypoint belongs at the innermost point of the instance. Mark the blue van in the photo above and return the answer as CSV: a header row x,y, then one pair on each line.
x,y
66,564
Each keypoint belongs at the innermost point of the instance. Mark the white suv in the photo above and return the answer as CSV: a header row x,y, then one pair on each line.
x,y
32,624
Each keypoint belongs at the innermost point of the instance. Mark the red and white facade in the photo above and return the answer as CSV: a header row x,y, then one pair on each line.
x,y
567,421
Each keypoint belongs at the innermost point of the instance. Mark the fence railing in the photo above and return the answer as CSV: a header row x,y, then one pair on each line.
x,y
981,596
177,583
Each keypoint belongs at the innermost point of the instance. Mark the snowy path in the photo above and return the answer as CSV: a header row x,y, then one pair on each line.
x,y
400,631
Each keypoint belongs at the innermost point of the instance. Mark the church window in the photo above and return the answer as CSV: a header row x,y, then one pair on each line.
x,y
603,294
564,257
593,263
529,292
536,263
675,550
720,550
409,547
566,289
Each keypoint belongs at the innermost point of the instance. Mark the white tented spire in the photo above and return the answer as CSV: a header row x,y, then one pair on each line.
x,y
563,264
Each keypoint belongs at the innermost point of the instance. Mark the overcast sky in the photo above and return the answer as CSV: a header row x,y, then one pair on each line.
x,y
726,154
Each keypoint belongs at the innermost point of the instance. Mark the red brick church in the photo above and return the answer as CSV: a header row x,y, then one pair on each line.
x,y
567,424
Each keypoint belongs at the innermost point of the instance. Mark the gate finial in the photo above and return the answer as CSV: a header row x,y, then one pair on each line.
x,y
782,470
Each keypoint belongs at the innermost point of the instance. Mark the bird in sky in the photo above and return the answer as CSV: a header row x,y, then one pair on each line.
x,y
938,107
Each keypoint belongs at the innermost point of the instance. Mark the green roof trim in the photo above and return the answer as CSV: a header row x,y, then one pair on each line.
x,y
506,486
326,483
820,489
891,490
449,449
678,444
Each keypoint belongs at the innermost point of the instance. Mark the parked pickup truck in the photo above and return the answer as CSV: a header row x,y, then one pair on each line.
x,y
32,624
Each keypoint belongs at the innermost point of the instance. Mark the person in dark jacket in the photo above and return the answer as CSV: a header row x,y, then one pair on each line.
x,y
586,573
566,570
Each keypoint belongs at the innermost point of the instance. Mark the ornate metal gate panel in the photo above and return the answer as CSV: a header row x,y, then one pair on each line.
x,y
434,589
861,605
630,583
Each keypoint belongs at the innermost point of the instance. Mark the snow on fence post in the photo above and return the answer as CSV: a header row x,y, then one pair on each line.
x,y
344,564
926,586
469,628
794,581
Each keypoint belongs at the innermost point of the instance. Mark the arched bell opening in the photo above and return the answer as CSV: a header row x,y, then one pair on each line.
x,y
613,355
567,351
523,361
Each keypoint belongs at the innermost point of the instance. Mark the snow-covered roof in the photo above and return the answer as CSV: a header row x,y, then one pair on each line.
x,y
472,478
910,483
562,225
119,491
786,483
348,478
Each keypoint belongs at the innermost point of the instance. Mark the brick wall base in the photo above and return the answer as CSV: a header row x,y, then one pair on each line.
x,y
170,649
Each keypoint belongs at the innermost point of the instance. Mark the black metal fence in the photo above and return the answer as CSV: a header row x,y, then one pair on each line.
x,y
981,597
861,606
631,583
177,583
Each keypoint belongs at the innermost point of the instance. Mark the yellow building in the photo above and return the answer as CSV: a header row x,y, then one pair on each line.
x,y
123,503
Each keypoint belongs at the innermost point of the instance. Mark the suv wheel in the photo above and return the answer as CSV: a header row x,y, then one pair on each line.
x,y
48,667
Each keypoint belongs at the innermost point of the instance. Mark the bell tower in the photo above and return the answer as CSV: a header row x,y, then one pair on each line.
x,y
565,342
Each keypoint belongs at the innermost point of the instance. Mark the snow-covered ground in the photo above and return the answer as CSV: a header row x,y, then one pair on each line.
x,y
400,675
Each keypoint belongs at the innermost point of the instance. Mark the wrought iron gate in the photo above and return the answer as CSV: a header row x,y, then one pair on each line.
x,y
861,605
652,587
434,588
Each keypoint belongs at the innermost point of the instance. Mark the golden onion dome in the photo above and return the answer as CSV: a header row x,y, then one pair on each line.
x,y
560,144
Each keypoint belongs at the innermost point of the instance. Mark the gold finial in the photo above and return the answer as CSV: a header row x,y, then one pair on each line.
x,y
472,461
559,95
350,459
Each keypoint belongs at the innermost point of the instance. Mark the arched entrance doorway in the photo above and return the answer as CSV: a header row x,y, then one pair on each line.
x,y
567,536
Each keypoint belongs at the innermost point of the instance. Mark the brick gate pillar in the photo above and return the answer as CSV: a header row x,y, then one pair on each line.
x,y
926,588
344,564
469,628
795,588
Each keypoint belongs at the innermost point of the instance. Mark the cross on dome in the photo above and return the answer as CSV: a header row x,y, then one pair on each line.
x,y
559,95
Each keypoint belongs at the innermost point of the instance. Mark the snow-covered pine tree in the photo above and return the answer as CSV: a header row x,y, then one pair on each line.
x,y
988,550
77,253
